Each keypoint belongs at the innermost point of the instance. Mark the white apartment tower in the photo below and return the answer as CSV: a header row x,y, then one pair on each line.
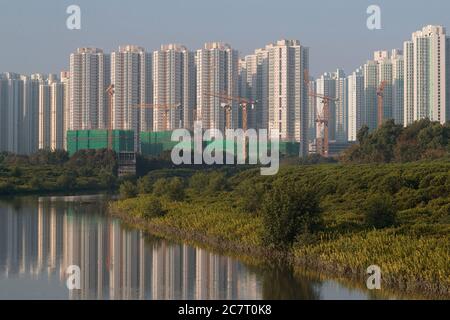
x,y
65,81
356,103
326,85
287,91
11,107
30,129
131,77
52,111
341,107
398,74
45,113
425,83
90,77
371,84
385,75
217,73
254,81
312,112
57,117
334,85
174,88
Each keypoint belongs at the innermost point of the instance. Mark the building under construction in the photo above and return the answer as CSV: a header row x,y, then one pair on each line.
x,y
121,140
153,144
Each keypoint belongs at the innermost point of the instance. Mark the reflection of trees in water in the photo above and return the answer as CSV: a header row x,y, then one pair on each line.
x,y
18,203
280,283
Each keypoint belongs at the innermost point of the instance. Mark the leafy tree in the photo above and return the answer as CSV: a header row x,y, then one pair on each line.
x,y
171,188
107,179
391,142
289,210
363,134
380,212
66,181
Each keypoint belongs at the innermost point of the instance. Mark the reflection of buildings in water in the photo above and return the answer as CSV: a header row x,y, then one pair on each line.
x,y
45,238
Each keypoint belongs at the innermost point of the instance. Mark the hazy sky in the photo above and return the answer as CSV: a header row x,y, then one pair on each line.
x,y
34,37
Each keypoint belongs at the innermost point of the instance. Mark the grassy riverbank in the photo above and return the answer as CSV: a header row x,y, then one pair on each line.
x,y
241,213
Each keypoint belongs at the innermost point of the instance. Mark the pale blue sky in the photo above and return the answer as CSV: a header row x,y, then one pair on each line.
x,y
34,37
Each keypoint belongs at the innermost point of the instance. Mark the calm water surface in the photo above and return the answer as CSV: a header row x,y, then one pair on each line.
x,y
41,236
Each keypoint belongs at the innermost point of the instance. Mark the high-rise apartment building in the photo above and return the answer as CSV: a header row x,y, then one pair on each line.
x,y
65,81
131,76
287,91
371,85
356,103
52,112
25,113
312,112
398,75
217,73
30,130
341,107
386,71
385,75
426,77
89,79
11,110
45,113
334,85
254,86
174,87
326,85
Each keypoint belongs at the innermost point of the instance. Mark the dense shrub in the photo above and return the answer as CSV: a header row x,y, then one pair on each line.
x,y
145,185
379,211
250,196
66,181
172,188
288,211
150,207
128,190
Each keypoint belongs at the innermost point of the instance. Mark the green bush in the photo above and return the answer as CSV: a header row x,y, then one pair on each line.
x,y
66,181
150,207
175,189
199,181
217,182
380,211
172,188
145,185
128,190
288,211
250,196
